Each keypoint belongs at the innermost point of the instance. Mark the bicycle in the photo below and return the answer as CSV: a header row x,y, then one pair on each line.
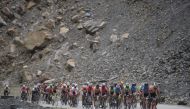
x,y
96,102
134,102
153,103
103,100
87,102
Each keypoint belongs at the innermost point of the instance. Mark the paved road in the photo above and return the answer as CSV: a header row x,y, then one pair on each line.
x,y
160,106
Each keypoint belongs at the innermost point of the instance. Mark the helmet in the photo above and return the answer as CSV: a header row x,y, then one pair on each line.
x,y
65,85
76,84
35,86
24,85
103,84
134,84
73,84
121,82
87,83
6,85
155,85
117,86
68,83
126,84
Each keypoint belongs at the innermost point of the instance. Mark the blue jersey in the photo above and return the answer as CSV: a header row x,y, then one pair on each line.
x,y
117,90
133,88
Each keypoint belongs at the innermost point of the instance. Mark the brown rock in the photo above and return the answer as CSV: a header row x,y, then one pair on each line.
x,y
36,39
18,41
70,64
125,36
64,30
30,4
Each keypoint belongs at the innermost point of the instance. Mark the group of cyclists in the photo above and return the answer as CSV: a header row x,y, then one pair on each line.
x,y
103,95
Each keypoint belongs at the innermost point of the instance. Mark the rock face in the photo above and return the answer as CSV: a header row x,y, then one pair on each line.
x,y
36,39
133,40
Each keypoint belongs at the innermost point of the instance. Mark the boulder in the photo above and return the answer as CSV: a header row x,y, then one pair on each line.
x,y
38,39
2,22
18,41
125,36
79,26
30,4
63,30
39,73
75,19
92,26
70,64
113,38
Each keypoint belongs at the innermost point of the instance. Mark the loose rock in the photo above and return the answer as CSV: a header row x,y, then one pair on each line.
x,y
92,26
75,19
70,64
125,36
36,39
30,4
113,38
18,41
64,30
2,22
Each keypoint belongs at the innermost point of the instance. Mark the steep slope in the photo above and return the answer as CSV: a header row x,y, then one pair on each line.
x,y
80,40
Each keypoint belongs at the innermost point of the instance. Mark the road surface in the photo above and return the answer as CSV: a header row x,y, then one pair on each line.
x,y
160,106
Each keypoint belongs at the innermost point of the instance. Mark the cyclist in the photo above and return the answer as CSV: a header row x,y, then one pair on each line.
x,y
6,90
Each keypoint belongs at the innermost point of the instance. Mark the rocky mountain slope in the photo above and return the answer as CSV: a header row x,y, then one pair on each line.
x,y
80,40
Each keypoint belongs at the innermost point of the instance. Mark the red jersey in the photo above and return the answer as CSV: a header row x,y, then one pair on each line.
x,y
24,89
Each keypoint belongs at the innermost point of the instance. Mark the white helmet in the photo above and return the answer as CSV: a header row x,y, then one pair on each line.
x,y
88,83
76,84
103,84
35,86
